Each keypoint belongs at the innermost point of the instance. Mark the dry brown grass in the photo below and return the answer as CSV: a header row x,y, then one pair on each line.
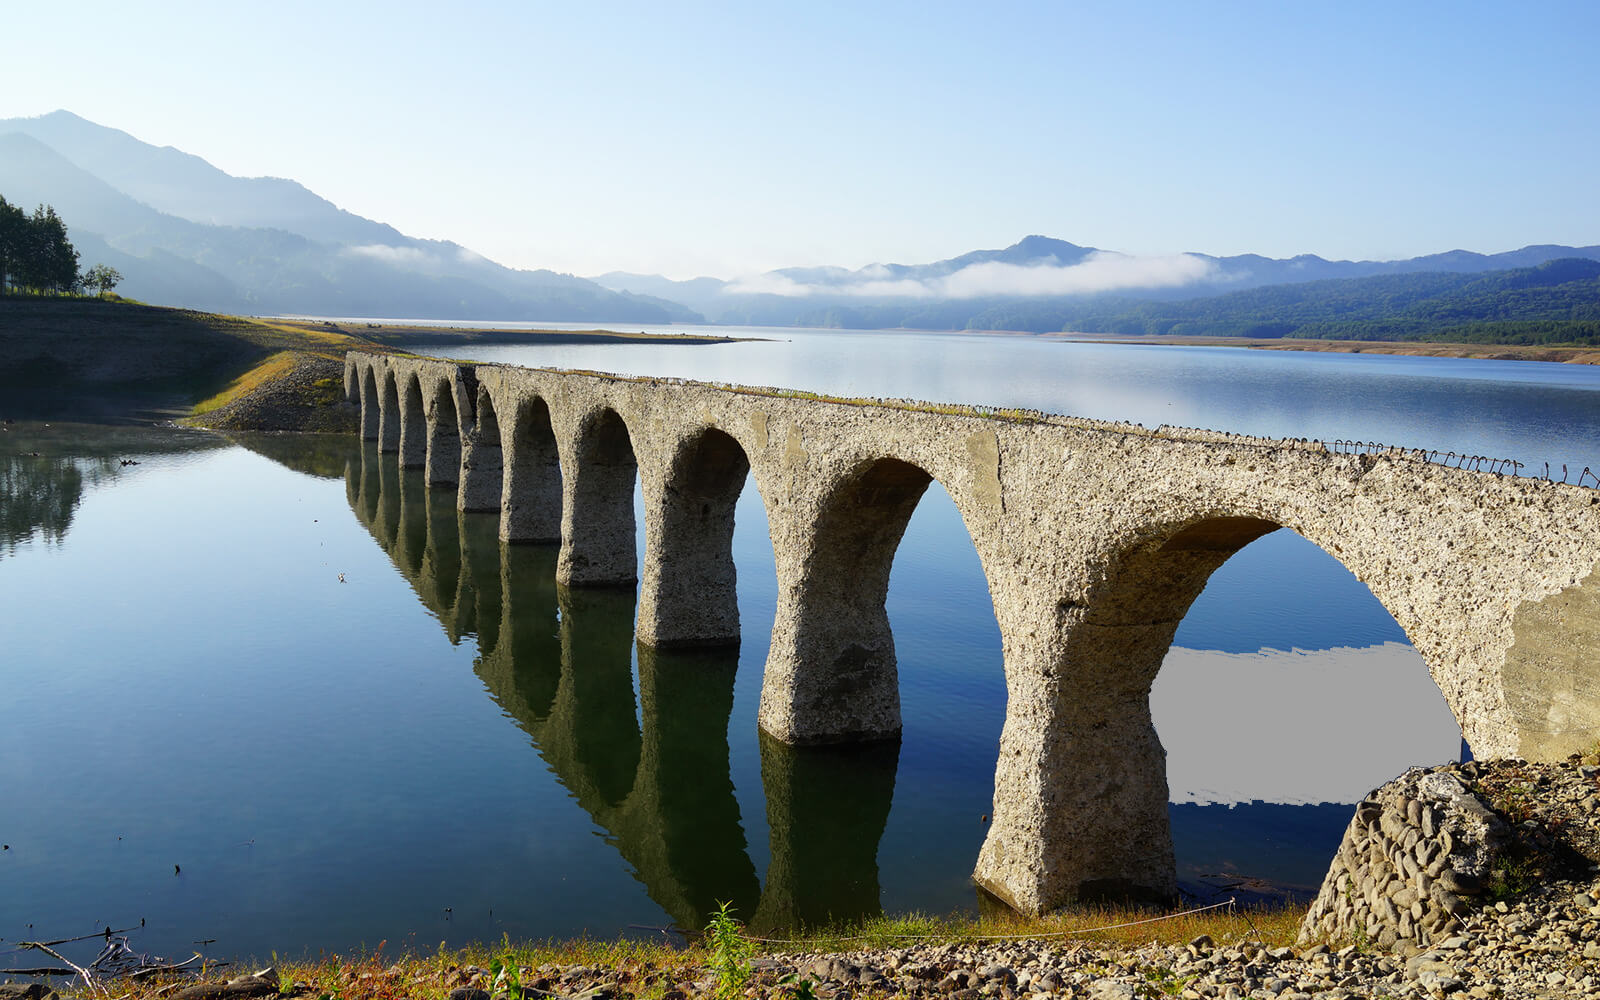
x,y
648,969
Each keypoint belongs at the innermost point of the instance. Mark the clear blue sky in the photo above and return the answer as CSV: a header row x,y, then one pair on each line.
x,y
688,138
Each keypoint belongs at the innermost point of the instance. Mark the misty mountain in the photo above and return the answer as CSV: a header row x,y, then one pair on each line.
x,y
183,232
1038,283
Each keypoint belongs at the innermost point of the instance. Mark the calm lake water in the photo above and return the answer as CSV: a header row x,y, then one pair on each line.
x,y
276,693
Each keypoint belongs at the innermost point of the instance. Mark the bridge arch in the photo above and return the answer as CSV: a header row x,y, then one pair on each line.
x,y
597,524
689,594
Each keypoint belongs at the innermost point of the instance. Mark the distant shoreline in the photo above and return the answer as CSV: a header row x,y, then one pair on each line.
x,y
417,335
1558,354
420,334
1575,355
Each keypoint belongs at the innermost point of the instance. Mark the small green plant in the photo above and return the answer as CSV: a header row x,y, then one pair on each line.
x,y
730,951
1166,981
796,988
1514,802
506,977
1513,873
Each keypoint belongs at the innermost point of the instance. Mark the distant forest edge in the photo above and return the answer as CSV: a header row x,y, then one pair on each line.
x,y
1557,302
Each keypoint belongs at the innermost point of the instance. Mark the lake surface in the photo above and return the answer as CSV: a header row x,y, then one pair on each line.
x,y
278,694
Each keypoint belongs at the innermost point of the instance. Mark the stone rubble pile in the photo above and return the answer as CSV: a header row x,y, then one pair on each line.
x,y
1416,853
1426,850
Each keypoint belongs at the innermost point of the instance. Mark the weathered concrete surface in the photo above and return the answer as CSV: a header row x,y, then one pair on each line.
x,y
1094,539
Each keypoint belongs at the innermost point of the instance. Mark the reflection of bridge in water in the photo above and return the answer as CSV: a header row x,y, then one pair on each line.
x,y
560,663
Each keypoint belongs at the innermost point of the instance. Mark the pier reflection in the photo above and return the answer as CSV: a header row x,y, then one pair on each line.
x,y
650,767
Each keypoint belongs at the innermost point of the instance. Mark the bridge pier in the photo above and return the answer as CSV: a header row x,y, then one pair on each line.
x,y
1080,807
482,459
371,411
389,416
413,426
443,459
532,493
597,528
689,592
1081,782
831,672
482,474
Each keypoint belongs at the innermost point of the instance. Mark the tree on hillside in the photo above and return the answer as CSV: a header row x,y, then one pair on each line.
x,y
57,258
102,277
35,252
13,224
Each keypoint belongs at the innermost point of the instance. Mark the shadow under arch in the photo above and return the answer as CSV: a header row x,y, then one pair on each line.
x,y
597,524
531,502
689,595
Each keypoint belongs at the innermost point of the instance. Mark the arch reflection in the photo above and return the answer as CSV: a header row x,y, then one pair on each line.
x,y
651,767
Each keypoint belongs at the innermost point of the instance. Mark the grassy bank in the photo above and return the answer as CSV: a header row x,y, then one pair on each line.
x,y
114,361
656,968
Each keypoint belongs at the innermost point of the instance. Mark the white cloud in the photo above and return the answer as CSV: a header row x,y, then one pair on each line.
x,y
409,256
770,284
1099,272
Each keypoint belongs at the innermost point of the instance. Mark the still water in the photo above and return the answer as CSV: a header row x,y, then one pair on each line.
x,y
276,693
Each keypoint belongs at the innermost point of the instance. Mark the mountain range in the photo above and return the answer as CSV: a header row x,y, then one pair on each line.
x,y
183,232
1035,278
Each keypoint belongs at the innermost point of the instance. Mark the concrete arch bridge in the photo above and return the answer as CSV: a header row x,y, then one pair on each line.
x,y
1094,538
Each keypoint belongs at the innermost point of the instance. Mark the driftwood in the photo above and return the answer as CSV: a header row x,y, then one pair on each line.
x,y
83,974
118,960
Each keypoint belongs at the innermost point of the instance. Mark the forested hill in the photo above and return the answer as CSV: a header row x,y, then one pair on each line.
x,y
1557,302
